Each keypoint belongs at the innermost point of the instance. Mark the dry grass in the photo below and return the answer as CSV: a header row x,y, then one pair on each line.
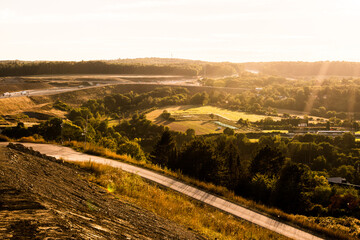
x,y
224,113
32,139
199,119
15,105
295,220
200,127
176,207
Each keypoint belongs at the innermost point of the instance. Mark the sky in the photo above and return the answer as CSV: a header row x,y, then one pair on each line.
x,y
211,30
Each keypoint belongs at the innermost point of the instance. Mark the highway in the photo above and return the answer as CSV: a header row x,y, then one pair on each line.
x,y
57,90
69,154
51,91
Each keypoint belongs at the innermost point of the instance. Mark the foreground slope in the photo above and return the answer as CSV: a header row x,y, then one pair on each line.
x,y
43,198
217,202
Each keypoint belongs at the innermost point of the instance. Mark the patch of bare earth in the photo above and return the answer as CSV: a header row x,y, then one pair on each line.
x,y
44,198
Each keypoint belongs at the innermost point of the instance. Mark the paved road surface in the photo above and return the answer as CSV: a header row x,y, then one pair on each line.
x,y
52,91
251,216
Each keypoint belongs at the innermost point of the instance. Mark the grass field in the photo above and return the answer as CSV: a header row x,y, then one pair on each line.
x,y
224,113
275,131
203,219
198,118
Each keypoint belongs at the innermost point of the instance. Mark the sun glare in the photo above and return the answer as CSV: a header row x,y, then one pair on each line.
x,y
230,30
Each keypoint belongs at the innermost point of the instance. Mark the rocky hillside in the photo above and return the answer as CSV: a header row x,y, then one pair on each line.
x,y
41,197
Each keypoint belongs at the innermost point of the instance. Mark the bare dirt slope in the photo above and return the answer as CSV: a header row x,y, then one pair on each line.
x,y
44,198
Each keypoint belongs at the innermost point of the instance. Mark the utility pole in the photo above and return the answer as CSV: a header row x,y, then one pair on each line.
x,y
85,132
62,135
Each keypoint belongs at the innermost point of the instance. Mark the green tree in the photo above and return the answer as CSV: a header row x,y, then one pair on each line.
x,y
165,150
268,161
200,99
132,149
51,129
71,131
190,134
198,160
291,188
229,131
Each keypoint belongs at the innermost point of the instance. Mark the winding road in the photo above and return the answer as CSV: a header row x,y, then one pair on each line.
x,y
69,154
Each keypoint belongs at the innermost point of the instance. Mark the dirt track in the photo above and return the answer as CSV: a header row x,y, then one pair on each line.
x,y
43,198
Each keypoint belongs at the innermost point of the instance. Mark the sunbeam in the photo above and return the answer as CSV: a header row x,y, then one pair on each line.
x,y
314,91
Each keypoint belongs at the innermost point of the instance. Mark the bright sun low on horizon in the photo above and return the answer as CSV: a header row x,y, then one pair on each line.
x,y
226,30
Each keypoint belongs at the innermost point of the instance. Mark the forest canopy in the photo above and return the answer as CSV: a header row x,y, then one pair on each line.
x,y
23,68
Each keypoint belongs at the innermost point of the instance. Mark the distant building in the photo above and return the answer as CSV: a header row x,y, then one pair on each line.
x,y
342,181
337,180
331,133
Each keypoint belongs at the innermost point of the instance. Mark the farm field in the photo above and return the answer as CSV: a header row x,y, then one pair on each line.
x,y
199,119
200,127
301,114
224,113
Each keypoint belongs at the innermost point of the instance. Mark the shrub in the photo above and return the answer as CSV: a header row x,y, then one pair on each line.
x,y
4,138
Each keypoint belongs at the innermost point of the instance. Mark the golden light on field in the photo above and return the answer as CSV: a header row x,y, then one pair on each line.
x,y
229,30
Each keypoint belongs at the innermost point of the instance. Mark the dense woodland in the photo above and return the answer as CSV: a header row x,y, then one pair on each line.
x,y
289,173
23,68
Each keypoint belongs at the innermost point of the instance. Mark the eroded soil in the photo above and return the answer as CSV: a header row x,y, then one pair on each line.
x,y
42,198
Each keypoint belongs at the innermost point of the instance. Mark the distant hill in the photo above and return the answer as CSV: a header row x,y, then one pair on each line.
x,y
155,60
149,66
325,68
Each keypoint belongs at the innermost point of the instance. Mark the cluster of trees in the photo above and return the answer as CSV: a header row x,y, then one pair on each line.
x,y
289,174
119,104
93,130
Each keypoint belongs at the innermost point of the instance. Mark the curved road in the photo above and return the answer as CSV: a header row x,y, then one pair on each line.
x,y
244,213
57,90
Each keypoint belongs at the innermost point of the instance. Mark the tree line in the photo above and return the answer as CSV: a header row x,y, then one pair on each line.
x,y
24,68
21,68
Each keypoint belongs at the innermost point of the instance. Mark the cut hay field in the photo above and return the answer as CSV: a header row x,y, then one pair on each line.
x,y
200,127
199,119
223,113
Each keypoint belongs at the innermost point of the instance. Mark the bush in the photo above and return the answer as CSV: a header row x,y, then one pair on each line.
x,y
33,138
132,149
61,106
166,115
4,138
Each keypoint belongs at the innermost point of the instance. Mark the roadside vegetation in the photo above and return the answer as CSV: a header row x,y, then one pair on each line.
x,y
327,226
176,207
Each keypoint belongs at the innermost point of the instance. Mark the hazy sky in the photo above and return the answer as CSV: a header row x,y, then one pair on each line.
x,y
221,30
